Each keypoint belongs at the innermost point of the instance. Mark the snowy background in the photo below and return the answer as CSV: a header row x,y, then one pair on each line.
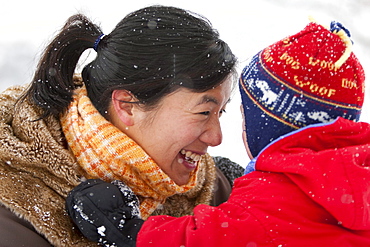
x,y
247,26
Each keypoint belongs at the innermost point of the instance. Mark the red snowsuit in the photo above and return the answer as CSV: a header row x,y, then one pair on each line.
x,y
310,188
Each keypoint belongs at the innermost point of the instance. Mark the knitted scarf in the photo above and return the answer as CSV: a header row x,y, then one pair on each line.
x,y
104,152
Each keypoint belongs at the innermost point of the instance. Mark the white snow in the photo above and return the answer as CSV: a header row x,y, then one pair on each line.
x,y
248,26
101,230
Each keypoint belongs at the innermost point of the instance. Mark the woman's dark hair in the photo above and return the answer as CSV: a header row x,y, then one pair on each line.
x,y
150,53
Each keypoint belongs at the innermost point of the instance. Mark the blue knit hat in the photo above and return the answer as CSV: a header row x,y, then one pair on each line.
x,y
310,77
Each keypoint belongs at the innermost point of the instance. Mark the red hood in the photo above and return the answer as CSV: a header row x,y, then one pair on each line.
x,y
331,164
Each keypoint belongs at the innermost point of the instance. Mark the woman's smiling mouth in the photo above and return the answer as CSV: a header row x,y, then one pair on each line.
x,y
189,159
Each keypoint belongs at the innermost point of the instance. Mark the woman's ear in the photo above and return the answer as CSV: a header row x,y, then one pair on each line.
x,y
122,102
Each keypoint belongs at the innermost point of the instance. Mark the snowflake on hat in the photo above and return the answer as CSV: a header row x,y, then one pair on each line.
x,y
309,77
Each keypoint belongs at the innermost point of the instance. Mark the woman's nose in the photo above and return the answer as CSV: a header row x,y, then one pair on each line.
x,y
213,134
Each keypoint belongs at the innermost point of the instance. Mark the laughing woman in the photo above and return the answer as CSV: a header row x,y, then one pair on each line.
x,y
144,112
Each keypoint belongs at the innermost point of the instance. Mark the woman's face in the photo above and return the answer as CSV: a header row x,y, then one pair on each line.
x,y
181,128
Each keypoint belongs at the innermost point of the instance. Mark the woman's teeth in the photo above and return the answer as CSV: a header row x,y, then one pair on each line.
x,y
190,156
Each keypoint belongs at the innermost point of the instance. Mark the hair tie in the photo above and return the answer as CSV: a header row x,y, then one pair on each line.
x,y
97,41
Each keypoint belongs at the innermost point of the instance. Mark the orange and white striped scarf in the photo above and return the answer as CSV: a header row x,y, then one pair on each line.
x,y
105,152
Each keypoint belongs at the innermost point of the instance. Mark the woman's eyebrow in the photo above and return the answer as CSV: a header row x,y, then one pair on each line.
x,y
206,99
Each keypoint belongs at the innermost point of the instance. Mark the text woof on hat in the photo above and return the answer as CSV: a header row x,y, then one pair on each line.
x,y
310,77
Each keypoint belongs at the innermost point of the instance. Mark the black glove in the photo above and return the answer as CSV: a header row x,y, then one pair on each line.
x,y
107,213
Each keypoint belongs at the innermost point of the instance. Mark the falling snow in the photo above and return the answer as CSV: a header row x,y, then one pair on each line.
x,y
101,231
22,43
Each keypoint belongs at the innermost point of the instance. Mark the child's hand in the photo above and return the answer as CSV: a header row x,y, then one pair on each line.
x,y
104,212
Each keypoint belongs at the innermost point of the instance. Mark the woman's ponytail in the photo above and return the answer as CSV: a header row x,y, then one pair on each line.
x,y
52,86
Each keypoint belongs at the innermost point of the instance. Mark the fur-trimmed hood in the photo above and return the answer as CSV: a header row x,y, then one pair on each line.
x,y
36,170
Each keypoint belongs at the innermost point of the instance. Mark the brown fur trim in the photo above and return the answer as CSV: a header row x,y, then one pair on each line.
x,y
183,204
36,170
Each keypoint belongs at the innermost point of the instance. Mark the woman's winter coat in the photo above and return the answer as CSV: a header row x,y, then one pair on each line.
x,y
37,171
310,188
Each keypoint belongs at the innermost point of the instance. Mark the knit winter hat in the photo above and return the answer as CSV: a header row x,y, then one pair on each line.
x,y
310,77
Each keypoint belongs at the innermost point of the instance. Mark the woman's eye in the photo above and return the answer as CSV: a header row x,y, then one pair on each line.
x,y
206,113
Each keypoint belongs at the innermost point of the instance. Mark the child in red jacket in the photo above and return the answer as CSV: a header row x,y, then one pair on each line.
x,y
308,183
